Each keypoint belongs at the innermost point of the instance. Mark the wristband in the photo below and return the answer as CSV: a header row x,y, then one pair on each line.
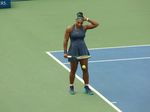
x,y
65,51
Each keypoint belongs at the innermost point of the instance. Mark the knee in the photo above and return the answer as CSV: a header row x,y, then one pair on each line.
x,y
85,71
72,72
84,67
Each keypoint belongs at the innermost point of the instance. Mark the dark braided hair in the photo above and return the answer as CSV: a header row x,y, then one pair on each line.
x,y
80,15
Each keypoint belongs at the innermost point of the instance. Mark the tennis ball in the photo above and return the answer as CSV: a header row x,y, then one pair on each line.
x,y
83,67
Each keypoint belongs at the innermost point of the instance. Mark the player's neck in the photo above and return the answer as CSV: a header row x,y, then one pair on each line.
x,y
77,27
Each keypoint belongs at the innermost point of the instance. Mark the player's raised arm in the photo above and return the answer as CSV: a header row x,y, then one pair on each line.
x,y
93,23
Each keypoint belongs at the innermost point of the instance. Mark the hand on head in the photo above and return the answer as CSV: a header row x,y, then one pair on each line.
x,y
81,16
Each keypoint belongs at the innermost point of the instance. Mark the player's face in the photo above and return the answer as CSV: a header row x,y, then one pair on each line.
x,y
79,22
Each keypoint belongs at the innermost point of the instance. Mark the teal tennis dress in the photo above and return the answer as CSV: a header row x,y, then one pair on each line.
x,y
77,44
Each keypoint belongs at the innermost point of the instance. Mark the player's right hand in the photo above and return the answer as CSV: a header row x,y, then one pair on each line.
x,y
65,55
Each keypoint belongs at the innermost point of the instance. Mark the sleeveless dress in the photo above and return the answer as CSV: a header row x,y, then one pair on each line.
x,y
77,43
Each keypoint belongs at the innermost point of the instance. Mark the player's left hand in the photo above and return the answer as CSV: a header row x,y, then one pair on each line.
x,y
85,18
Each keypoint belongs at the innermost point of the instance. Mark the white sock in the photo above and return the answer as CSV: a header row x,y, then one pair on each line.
x,y
71,84
86,84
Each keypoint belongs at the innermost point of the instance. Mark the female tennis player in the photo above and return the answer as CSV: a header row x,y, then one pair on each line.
x,y
76,34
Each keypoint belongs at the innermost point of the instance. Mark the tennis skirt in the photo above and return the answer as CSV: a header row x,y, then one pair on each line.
x,y
78,49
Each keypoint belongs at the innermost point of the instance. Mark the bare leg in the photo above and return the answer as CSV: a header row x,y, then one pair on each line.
x,y
85,70
84,63
73,66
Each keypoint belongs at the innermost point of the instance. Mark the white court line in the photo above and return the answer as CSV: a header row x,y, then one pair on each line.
x,y
119,47
116,47
116,60
94,90
125,59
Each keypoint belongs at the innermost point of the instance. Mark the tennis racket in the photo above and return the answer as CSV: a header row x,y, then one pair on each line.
x,y
79,57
